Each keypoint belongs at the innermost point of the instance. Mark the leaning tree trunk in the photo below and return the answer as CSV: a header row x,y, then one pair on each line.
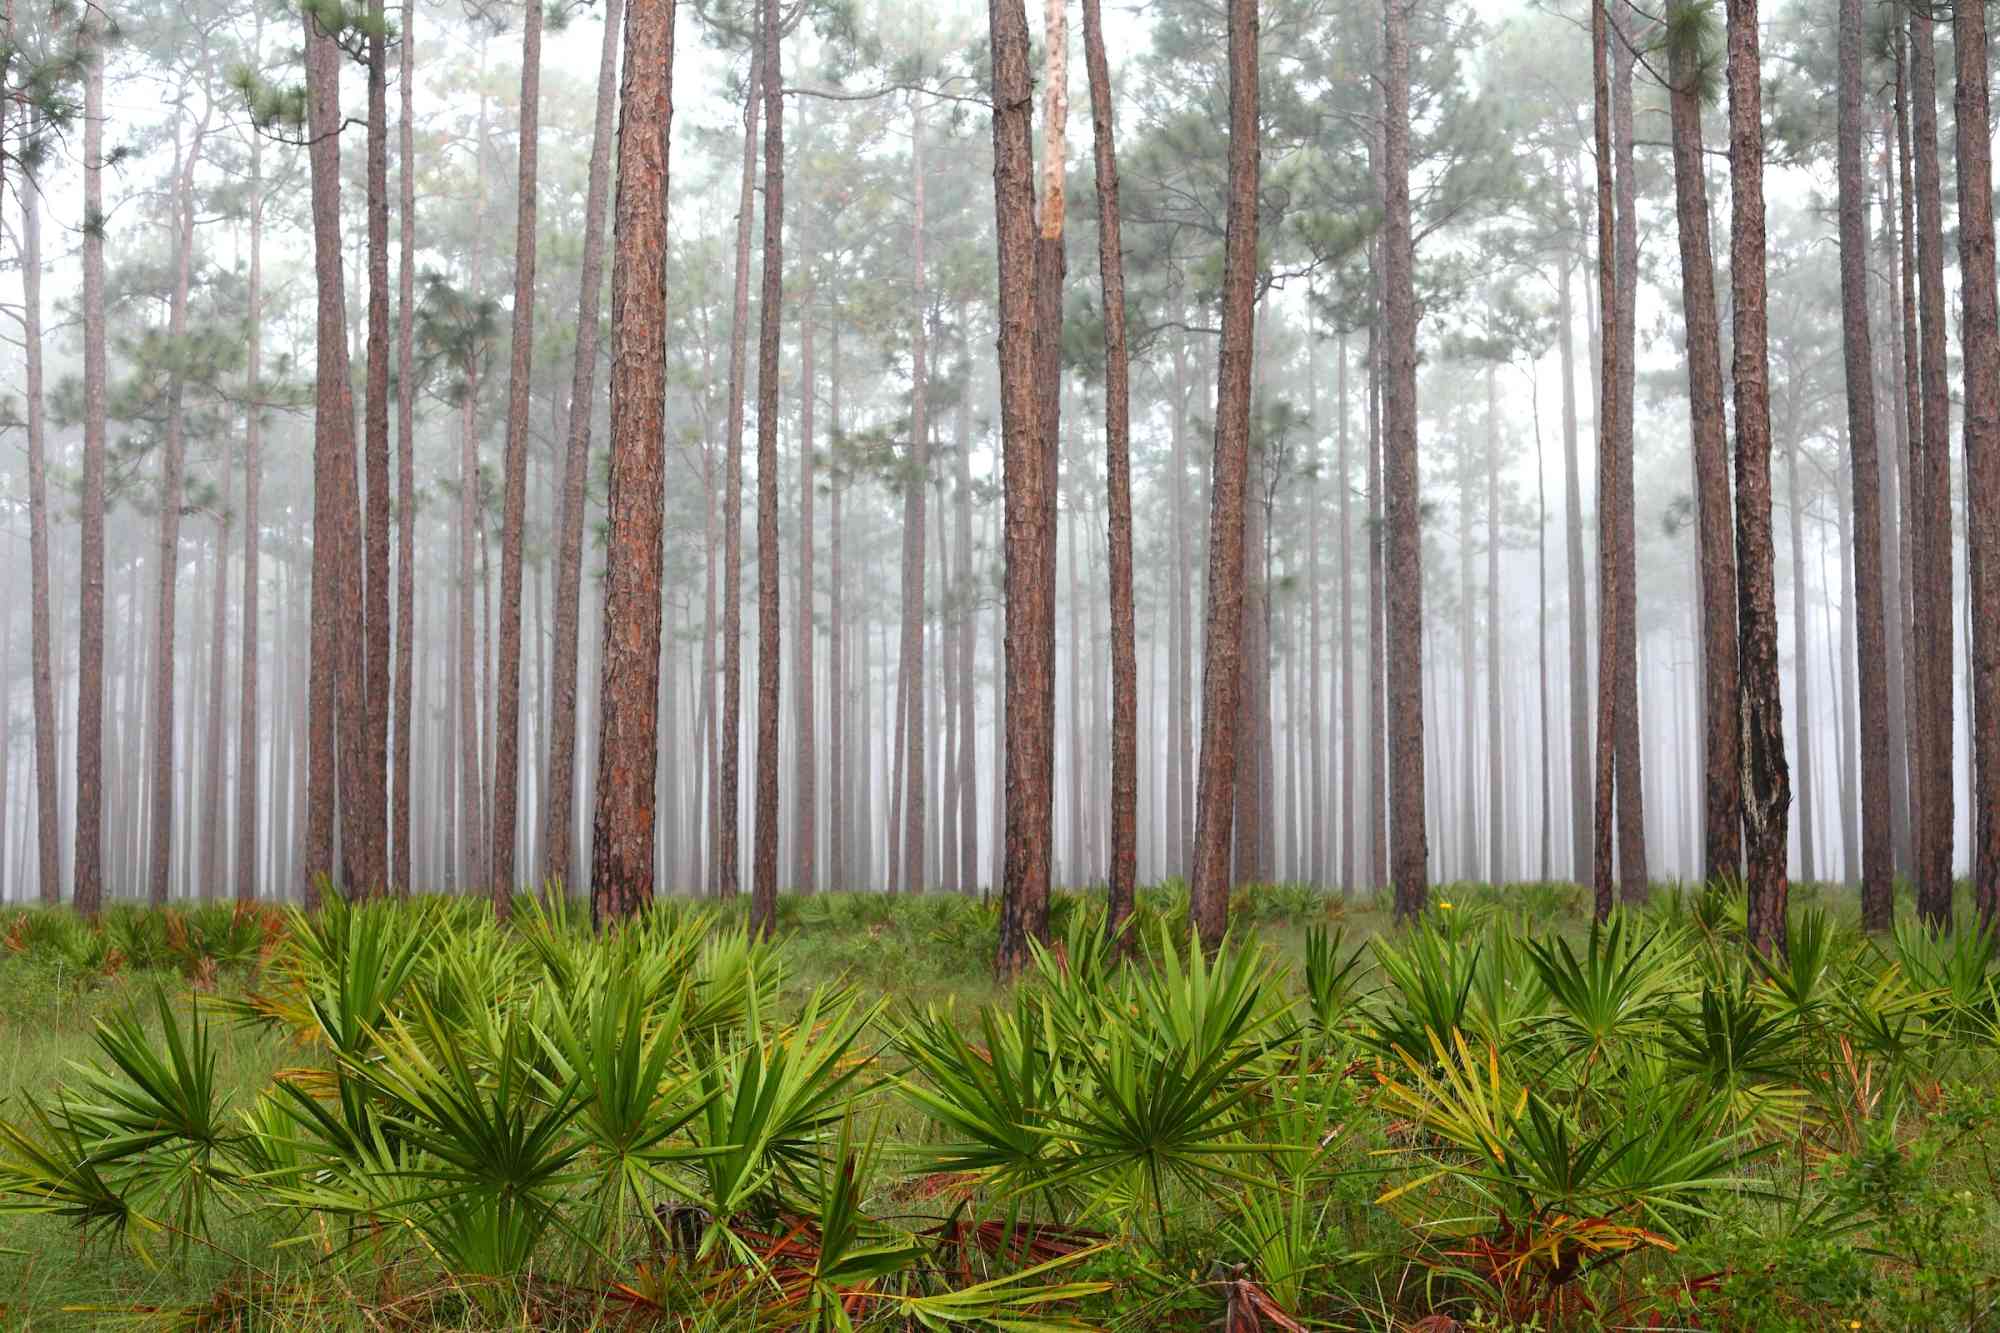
x,y
557,828
764,869
1980,329
1767,791
1029,503
1223,635
1932,455
1118,474
89,860
621,880
1722,825
514,500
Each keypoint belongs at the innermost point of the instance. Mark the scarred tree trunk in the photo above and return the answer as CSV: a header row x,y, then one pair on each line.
x,y
1766,780
1931,478
1118,474
406,468
764,869
1223,636
338,645
621,879
89,859
1402,515
1722,826
576,463
1980,329
1029,503
514,501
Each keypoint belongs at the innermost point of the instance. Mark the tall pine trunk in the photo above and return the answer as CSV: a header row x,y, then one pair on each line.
x,y
1118,483
514,499
1931,478
1980,330
1028,488
559,858
1402,514
764,870
1609,472
910,674
41,633
1722,820
375,451
621,880
406,462
1766,780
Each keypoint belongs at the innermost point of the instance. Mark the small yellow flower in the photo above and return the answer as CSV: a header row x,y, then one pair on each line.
x,y
1444,907
1854,1323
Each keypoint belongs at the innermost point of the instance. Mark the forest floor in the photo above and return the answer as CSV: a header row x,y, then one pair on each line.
x,y
1859,1099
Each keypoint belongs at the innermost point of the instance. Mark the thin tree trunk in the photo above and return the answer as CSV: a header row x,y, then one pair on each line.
x,y
806,856
1615,497
41,630
1496,783
1345,713
1801,672
968,632
1609,474
622,846
406,467
764,870
514,501
729,815
375,451
839,873
917,471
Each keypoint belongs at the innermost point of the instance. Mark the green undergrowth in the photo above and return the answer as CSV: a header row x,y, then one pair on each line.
x,y
404,1116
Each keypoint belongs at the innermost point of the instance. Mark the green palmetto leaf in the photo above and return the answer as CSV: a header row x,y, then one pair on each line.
x,y
991,1098
47,1168
1611,995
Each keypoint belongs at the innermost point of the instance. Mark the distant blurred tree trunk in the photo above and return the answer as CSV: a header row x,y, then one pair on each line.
x,y
910,674
249,787
375,451
41,633
406,464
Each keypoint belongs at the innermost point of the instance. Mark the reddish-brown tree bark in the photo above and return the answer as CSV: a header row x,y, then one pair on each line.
x,y
1029,505
621,878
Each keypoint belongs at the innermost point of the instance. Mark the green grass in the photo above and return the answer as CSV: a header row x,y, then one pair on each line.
x,y
1499,1116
